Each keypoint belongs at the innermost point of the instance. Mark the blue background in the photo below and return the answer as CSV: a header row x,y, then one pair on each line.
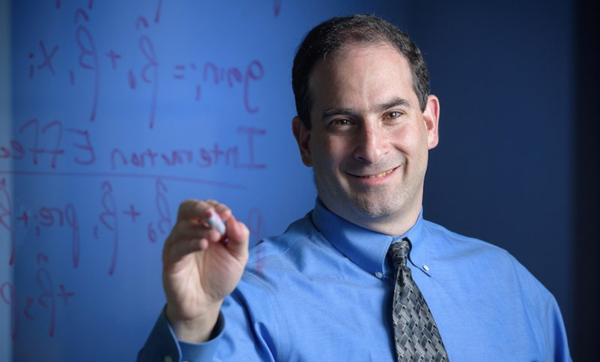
x,y
503,171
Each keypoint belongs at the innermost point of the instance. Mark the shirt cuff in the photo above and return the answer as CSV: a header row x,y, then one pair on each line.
x,y
163,345
203,351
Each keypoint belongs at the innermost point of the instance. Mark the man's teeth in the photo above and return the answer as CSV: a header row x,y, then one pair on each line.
x,y
380,174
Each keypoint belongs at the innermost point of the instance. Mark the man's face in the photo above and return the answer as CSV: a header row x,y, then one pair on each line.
x,y
369,141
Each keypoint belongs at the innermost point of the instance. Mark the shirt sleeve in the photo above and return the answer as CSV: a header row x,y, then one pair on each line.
x,y
556,334
246,330
162,344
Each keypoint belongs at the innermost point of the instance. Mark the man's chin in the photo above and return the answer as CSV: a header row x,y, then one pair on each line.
x,y
371,207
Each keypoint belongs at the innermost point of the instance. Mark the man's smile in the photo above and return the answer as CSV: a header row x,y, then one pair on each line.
x,y
378,175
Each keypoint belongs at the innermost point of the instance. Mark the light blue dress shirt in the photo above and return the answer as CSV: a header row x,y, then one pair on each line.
x,y
322,291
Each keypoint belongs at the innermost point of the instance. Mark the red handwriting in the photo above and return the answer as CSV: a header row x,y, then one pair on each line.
x,y
81,13
141,21
254,71
255,223
165,222
164,215
231,76
113,58
147,49
46,300
47,58
277,7
46,140
157,14
149,73
251,132
200,157
66,218
86,146
48,217
89,58
51,155
46,62
29,303
108,218
6,218
132,212
41,144
8,295
35,149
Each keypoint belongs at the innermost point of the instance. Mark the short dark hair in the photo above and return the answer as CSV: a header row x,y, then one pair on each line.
x,y
332,35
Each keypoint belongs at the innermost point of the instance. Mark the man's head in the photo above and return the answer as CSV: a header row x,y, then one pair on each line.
x,y
331,36
369,133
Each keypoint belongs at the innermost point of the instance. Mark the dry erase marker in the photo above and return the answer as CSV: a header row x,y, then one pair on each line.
x,y
215,222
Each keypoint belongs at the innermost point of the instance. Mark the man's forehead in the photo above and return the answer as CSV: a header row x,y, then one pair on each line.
x,y
328,65
357,46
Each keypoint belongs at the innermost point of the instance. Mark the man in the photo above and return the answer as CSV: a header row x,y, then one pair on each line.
x,y
329,289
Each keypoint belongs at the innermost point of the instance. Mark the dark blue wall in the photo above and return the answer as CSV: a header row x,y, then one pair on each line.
x,y
504,169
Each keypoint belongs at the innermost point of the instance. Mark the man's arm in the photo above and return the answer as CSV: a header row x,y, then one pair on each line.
x,y
200,268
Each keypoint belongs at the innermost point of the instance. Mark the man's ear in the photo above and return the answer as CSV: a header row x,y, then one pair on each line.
x,y
302,135
431,117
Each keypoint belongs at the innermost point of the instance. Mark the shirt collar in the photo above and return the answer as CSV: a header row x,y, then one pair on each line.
x,y
419,255
366,248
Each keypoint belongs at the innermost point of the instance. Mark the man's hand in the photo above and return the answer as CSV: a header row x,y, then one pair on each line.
x,y
201,267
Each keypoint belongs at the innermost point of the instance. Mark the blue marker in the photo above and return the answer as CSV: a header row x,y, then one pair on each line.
x,y
216,223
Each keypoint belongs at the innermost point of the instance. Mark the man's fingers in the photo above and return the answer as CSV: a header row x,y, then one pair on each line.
x,y
196,210
221,209
237,238
188,237
196,230
194,233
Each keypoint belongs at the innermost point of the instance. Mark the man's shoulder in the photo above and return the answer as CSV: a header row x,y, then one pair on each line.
x,y
300,237
477,254
451,239
298,230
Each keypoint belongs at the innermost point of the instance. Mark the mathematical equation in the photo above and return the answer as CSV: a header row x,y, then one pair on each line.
x,y
109,121
37,220
89,63
39,226
33,308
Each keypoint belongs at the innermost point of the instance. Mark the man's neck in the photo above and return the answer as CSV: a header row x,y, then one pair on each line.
x,y
394,224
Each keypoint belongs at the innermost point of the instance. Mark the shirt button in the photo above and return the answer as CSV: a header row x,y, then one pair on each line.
x,y
168,359
426,267
379,275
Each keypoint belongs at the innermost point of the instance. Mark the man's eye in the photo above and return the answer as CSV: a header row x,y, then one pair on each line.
x,y
393,115
341,122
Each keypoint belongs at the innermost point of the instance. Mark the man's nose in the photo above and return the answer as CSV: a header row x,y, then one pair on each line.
x,y
371,143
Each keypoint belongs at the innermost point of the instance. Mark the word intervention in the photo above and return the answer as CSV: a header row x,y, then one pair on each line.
x,y
215,155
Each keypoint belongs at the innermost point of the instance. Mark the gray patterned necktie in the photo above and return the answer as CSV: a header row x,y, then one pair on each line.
x,y
416,334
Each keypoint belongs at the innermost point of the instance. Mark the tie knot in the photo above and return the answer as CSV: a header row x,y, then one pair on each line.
x,y
399,251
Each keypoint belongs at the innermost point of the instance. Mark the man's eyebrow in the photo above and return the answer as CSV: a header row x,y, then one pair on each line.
x,y
337,112
396,102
